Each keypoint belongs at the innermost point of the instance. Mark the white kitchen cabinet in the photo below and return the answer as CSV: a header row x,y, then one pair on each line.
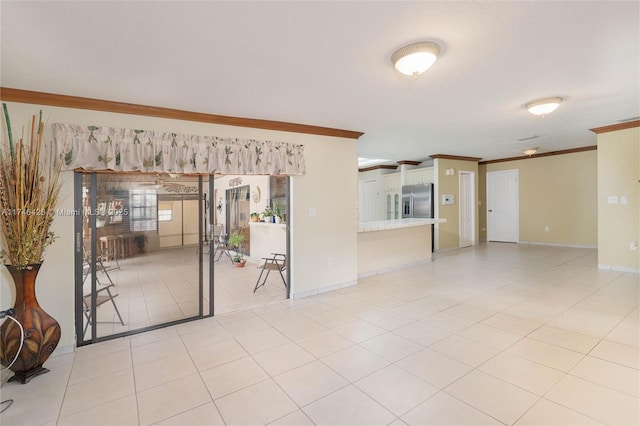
x,y
415,176
391,182
392,204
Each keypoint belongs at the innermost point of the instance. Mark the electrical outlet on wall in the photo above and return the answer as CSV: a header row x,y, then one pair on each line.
x,y
633,245
547,229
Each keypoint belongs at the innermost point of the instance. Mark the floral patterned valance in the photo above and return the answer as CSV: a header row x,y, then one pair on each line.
x,y
106,148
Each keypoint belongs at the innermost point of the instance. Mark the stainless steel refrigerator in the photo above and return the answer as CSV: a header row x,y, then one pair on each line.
x,y
417,200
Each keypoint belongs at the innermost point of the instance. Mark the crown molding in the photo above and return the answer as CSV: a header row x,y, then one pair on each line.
x,y
455,157
8,94
409,163
544,154
615,127
378,167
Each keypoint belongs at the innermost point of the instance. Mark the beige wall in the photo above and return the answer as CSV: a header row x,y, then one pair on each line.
x,y
558,192
618,176
330,186
447,235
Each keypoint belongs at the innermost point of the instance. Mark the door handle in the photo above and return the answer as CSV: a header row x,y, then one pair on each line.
x,y
490,211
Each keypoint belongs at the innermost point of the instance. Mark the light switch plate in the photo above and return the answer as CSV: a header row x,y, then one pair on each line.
x,y
612,199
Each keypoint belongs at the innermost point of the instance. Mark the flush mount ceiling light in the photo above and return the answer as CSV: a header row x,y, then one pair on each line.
x,y
415,58
543,106
531,151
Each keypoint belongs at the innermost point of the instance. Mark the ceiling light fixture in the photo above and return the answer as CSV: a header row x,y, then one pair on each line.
x,y
543,106
531,151
415,58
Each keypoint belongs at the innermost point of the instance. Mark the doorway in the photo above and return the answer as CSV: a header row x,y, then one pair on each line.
x,y
467,209
503,206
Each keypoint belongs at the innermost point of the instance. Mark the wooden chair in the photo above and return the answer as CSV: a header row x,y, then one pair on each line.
x,y
277,262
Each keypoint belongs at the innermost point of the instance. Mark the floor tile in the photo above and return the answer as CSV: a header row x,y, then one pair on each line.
x,y
324,343
391,346
471,311
169,399
157,350
490,336
528,375
512,324
438,369
333,318
358,331
162,371
448,322
248,325
354,363
310,382
193,341
262,340
102,365
388,320
545,412
598,402
233,376
37,409
348,406
546,354
617,353
488,394
283,358
443,409
98,391
465,350
566,339
397,390
615,376
259,404
122,411
422,333
589,321
217,354
297,418
300,329
206,414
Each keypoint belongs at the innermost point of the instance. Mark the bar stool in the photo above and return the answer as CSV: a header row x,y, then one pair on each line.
x,y
109,248
125,245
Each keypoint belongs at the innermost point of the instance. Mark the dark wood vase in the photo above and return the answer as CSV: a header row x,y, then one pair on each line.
x,y
41,331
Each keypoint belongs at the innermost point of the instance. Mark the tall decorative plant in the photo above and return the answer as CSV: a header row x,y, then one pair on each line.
x,y
29,186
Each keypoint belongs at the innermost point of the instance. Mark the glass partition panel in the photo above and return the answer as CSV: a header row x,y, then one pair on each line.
x,y
144,252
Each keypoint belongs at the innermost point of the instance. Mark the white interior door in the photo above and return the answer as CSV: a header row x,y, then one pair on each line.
x,y
502,206
369,201
467,209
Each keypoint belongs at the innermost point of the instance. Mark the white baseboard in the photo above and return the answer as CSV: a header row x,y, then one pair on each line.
x,y
619,268
393,268
538,243
321,290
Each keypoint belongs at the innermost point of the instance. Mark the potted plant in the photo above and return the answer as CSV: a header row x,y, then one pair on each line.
x,y
277,214
140,241
236,240
29,186
268,214
255,216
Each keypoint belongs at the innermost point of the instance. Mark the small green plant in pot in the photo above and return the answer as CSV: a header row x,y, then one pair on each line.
x,y
236,240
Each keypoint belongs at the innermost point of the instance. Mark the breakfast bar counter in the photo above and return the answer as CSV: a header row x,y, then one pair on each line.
x,y
388,245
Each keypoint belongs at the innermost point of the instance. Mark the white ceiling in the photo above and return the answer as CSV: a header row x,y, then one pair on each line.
x,y
328,64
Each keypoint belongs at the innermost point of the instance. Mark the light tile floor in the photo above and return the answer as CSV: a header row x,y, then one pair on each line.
x,y
496,334
162,286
